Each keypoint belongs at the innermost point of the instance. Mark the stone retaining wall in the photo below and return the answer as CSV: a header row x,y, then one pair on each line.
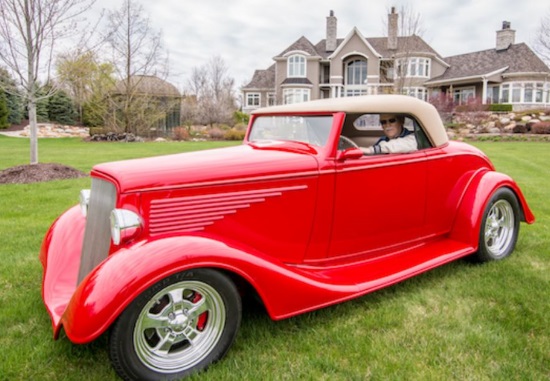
x,y
57,131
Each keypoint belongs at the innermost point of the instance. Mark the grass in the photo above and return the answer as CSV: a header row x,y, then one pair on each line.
x,y
457,322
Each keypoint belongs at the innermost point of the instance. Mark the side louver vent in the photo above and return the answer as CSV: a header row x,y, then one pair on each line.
x,y
194,213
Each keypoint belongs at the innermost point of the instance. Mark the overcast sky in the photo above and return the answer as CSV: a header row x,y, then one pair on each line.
x,y
247,34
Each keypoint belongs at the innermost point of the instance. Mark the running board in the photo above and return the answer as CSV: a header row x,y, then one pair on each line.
x,y
375,273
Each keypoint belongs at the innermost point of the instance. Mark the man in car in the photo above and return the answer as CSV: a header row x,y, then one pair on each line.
x,y
397,140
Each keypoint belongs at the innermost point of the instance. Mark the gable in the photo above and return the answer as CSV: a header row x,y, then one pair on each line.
x,y
355,42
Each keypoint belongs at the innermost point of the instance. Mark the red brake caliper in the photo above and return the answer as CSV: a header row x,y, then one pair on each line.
x,y
201,321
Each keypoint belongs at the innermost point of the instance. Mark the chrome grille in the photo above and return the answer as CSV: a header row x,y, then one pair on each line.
x,y
97,236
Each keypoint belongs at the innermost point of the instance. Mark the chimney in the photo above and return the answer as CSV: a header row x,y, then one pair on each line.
x,y
331,32
506,36
392,29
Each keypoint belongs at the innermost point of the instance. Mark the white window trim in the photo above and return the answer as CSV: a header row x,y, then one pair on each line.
x,y
463,89
408,61
271,97
301,65
417,92
296,93
541,86
253,96
347,79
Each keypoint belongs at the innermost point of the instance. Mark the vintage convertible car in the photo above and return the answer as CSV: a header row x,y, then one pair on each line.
x,y
162,250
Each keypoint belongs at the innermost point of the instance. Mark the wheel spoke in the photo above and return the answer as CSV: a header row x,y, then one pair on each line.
x,y
198,308
154,321
181,324
191,333
164,346
499,228
176,296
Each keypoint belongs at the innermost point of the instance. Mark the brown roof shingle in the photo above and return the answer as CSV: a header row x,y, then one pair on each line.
x,y
519,58
263,79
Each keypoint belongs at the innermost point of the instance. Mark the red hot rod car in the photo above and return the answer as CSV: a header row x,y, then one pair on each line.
x,y
161,250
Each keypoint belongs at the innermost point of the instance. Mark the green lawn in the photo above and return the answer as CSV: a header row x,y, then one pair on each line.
x,y
458,322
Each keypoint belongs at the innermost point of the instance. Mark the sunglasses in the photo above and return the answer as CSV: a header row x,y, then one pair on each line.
x,y
392,120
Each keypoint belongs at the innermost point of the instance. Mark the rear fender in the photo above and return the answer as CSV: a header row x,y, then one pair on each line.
x,y
468,219
117,281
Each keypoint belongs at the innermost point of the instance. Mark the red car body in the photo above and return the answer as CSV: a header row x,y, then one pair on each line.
x,y
286,217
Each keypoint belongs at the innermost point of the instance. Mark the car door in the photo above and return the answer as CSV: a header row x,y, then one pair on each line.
x,y
379,203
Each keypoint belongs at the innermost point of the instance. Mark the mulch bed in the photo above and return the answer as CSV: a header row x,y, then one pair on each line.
x,y
25,174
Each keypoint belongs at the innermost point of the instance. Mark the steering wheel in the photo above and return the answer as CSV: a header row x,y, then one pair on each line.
x,y
344,143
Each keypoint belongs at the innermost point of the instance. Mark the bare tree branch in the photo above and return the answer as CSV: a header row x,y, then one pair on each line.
x,y
542,41
214,92
29,31
137,53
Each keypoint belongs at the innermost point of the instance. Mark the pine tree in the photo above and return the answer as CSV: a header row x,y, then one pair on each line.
x,y
4,111
61,109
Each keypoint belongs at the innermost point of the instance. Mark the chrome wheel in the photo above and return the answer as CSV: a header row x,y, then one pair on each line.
x,y
499,228
179,326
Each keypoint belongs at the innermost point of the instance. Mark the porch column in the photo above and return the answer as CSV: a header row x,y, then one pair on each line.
x,y
484,91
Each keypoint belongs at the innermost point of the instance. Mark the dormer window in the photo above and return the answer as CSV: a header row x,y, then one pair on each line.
x,y
296,66
414,67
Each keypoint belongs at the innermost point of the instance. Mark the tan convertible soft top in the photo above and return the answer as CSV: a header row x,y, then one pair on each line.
x,y
425,113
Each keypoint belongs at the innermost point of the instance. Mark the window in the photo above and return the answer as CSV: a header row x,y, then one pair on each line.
x,y
417,92
350,92
414,67
253,99
493,94
296,66
539,92
356,72
505,94
271,99
516,92
528,93
461,96
295,96
308,129
519,92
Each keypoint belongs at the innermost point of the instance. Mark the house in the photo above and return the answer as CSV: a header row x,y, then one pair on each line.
x,y
358,65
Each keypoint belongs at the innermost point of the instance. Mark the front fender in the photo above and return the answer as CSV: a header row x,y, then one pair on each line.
x,y
118,280
469,215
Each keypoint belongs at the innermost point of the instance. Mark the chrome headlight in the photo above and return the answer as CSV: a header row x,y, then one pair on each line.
x,y
125,224
84,201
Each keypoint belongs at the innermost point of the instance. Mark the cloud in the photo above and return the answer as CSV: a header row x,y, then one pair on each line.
x,y
247,34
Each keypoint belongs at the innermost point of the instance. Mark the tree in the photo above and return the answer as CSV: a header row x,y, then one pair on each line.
x,y
542,41
137,54
88,83
4,111
13,98
61,109
96,106
76,72
213,90
29,31
409,27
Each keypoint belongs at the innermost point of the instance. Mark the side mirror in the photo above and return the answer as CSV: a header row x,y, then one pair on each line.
x,y
350,153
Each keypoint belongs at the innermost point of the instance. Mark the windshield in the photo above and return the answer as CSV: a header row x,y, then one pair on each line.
x,y
313,130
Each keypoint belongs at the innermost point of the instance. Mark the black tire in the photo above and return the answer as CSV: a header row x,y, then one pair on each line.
x,y
151,339
499,227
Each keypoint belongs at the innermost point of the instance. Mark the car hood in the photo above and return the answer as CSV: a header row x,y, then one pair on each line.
x,y
214,166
